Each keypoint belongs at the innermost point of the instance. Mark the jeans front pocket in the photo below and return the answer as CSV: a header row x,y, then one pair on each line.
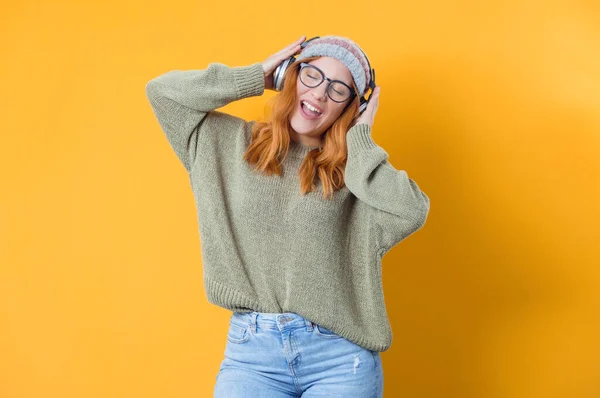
x,y
324,332
238,333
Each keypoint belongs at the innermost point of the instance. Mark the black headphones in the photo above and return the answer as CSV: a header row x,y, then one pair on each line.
x,y
279,75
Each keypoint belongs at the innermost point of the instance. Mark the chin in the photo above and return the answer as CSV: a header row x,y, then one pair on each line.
x,y
301,130
300,126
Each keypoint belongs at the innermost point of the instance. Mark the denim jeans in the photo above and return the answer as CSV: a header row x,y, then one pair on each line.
x,y
285,355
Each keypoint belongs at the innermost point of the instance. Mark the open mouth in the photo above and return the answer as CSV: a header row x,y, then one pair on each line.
x,y
308,113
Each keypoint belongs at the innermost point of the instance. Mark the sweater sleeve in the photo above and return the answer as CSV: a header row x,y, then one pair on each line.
x,y
398,207
182,100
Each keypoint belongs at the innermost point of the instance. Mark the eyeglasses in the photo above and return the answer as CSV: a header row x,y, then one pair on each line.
x,y
311,76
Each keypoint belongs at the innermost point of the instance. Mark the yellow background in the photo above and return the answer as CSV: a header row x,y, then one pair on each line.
x,y
493,108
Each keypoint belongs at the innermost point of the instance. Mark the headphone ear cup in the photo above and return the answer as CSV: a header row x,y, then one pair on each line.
x,y
279,73
363,105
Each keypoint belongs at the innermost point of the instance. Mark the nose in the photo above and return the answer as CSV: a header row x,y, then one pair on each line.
x,y
320,92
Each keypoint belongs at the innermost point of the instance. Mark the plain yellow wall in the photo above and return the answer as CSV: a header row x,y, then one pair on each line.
x,y
493,108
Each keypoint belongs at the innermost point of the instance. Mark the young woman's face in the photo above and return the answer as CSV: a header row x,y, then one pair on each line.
x,y
330,110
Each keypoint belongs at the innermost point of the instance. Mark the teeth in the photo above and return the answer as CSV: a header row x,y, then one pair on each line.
x,y
309,106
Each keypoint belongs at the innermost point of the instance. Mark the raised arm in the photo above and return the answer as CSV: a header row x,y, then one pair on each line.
x,y
398,206
181,100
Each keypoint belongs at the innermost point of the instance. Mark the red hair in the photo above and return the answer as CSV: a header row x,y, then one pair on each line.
x,y
271,140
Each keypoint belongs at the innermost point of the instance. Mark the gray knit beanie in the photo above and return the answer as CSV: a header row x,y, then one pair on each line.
x,y
344,50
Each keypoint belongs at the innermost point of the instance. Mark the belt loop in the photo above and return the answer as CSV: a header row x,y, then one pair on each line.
x,y
253,322
309,325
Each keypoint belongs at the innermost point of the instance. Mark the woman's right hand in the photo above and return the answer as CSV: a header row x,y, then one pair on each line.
x,y
271,63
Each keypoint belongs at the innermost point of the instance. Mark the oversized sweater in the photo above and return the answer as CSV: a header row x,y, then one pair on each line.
x,y
267,247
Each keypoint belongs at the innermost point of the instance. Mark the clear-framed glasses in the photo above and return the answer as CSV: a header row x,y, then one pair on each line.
x,y
311,76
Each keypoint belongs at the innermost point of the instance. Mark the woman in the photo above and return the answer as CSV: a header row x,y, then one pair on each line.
x,y
295,214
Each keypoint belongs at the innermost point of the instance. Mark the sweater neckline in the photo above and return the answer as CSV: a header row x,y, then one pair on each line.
x,y
299,150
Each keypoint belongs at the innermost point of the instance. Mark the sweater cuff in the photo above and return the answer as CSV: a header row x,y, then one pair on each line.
x,y
249,79
359,138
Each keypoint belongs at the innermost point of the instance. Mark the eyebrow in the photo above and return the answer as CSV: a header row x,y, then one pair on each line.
x,y
339,80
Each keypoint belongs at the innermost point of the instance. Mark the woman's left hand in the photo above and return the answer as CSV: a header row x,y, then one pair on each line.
x,y
368,116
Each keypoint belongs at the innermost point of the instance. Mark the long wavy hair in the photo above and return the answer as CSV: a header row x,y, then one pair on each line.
x,y
271,140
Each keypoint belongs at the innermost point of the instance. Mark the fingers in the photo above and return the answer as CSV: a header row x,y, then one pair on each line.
x,y
374,104
271,63
375,93
294,46
376,96
298,42
368,116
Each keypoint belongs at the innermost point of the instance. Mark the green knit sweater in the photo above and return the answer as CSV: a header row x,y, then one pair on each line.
x,y
265,246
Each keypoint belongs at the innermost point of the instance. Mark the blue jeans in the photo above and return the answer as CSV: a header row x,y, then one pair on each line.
x,y
285,355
